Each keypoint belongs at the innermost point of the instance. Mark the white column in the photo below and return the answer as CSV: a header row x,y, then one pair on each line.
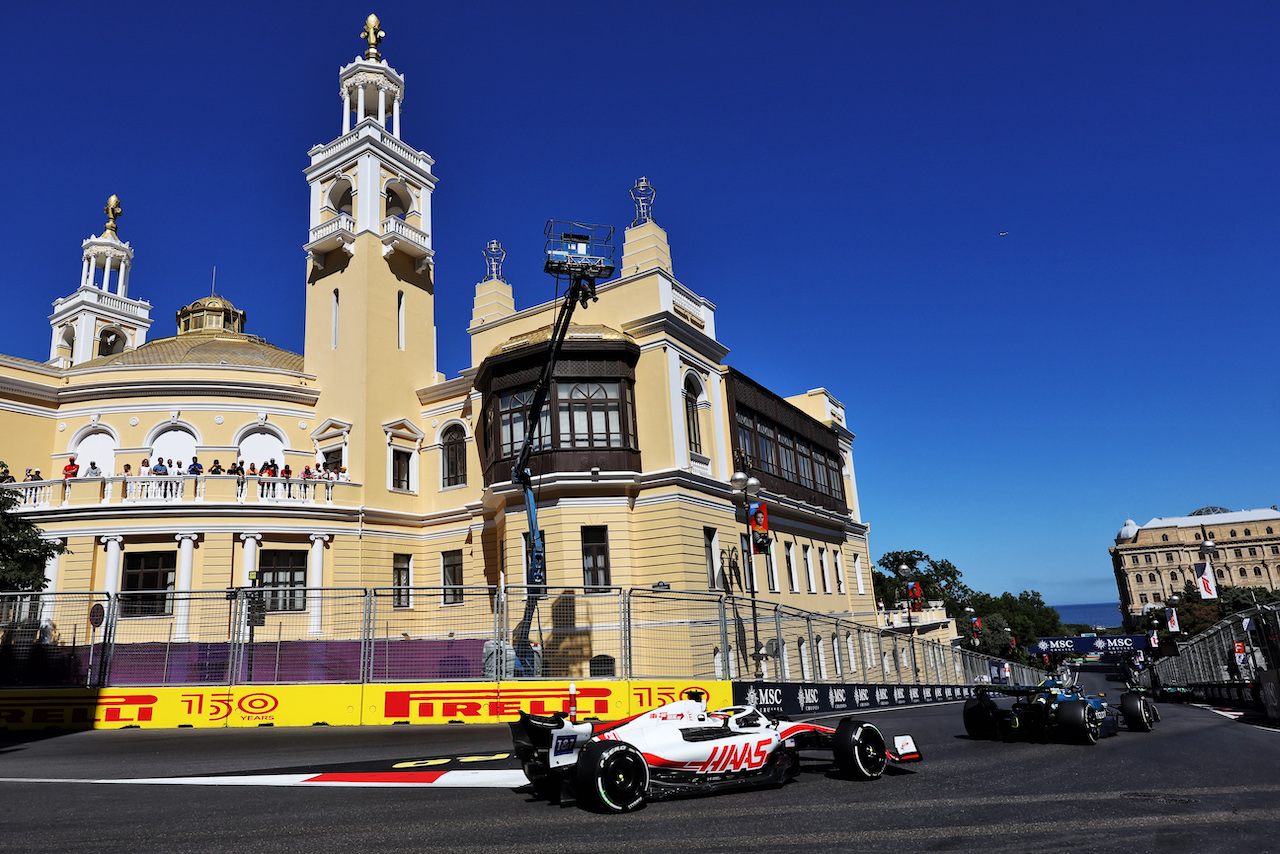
x,y
722,471
106,273
249,561
359,104
122,281
51,586
315,580
112,579
675,381
395,107
84,271
346,111
182,586
382,106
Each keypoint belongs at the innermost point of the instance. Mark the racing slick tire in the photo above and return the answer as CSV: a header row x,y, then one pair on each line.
x,y
612,776
1075,719
859,749
980,720
1136,711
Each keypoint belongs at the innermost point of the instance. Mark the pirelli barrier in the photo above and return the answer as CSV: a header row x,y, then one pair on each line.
x,y
431,703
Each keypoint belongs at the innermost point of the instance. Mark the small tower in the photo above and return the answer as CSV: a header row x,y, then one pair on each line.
x,y
494,299
96,320
644,245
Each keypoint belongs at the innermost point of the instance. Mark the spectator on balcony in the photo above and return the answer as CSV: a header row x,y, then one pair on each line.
x,y
5,477
159,468
93,470
216,468
127,471
306,473
253,470
70,470
144,470
272,469
176,469
286,472
342,473
35,476
195,467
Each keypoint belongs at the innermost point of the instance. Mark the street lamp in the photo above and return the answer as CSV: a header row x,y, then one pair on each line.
x,y
903,569
747,487
973,633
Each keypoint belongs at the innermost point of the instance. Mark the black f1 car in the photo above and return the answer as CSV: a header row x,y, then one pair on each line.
x,y
1054,709
681,748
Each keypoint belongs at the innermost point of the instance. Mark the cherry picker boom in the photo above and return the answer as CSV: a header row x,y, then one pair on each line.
x,y
582,253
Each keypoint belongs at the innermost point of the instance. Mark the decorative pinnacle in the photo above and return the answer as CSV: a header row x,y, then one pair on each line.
x,y
113,211
494,255
374,36
643,195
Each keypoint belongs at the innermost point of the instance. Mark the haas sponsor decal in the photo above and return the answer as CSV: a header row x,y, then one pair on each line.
x,y
736,757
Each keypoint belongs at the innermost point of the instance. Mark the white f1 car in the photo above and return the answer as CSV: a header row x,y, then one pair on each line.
x,y
681,748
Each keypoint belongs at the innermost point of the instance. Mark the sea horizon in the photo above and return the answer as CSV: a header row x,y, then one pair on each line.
x,y
1090,613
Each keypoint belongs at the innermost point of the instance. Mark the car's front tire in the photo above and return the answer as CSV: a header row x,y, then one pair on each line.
x,y
1137,712
980,718
1076,720
612,776
859,749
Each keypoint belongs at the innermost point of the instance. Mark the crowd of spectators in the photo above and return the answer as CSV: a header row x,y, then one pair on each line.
x,y
163,467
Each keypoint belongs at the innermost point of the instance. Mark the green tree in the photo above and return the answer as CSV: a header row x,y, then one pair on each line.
x,y
939,580
23,553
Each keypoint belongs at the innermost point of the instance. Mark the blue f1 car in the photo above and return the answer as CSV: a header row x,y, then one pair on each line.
x,y
1054,709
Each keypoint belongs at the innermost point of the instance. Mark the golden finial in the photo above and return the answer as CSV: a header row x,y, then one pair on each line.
x,y
112,210
373,35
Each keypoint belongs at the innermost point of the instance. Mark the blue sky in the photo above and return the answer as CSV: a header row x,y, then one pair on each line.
x,y
1031,246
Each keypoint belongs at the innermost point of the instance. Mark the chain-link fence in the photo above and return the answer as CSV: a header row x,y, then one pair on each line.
x,y
274,635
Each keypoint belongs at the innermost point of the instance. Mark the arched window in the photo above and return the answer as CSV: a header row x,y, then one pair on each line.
x,y
400,319
691,394
1164,538
259,446
1220,574
110,342
399,200
96,447
1173,576
1233,532
1137,578
853,652
333,340
591,416
1243,574
1257,570
1269,530
454,456
1151,577
340,197
806,667
1246,532
1212,535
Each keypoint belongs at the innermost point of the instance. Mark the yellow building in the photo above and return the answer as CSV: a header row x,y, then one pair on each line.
x,y
644,427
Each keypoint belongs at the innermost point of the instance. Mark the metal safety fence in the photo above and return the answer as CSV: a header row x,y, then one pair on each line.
x,y
1235,650
283,635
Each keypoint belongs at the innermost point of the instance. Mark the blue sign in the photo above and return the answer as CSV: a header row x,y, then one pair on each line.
x,y
1102,643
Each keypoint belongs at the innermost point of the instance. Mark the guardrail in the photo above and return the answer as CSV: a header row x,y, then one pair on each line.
x,y
296,635
1225,663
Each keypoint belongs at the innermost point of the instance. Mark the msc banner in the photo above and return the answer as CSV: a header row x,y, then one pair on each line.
x,y
1102,643
812,698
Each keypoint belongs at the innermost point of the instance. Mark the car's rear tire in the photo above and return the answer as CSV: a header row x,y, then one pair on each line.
x,y
612,776
1136,711
1075,720
980,719
859,749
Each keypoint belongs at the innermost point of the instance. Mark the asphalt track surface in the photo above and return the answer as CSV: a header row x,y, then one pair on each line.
x,y
1200,782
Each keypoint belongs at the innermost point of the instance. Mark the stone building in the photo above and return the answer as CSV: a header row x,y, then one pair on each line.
x,y
1155,560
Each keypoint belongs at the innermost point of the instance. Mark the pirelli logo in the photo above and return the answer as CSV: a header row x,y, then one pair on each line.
x,y
86,710
468,702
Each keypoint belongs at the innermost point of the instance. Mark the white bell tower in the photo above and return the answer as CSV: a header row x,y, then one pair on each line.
x,y
95,320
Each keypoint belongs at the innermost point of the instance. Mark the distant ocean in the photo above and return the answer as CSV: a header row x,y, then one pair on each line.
x,y
1099,614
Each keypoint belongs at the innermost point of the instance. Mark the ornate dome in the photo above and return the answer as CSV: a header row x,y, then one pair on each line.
x,y
1208,511
204,347
577,332
1129,531
211,312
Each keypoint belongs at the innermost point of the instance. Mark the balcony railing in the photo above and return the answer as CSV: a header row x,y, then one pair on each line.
x,y
181,489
